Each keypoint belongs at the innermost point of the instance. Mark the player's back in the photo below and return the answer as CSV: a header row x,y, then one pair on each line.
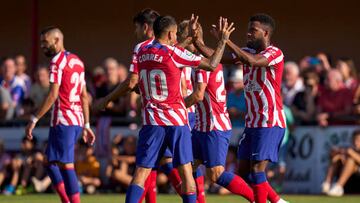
x,y
160,68
134,62
212,112
67,70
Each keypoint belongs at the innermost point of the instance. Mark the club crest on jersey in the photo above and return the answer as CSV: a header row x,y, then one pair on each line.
x,y
252,86
150,57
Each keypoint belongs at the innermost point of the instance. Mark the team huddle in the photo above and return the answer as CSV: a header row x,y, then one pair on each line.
x,y
184,114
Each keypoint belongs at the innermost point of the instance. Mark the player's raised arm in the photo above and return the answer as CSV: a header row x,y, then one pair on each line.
x,y
257,60
46,105
87,134
259,34
197,40
224,32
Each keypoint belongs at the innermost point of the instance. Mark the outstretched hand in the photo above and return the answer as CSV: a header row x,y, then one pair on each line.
x,y
194,27
223,30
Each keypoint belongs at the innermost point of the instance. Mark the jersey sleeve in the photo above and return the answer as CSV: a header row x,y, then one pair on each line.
x,y
134,64
273,55
183,58
202,76
55,74
134,59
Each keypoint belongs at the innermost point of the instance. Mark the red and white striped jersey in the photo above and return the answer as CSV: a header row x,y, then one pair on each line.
x,y
187,74
67,70
211,113
160,68
262,91
134,62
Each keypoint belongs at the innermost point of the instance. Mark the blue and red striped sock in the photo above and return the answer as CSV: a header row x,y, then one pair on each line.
x,y
134,193
189,197
260,187
57,181
236,185
71,184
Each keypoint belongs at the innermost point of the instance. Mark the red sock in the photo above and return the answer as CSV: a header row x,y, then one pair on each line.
x,y
200,191
60,189
146,187
240,187
273,197
151,192
75,198
260,192
175,180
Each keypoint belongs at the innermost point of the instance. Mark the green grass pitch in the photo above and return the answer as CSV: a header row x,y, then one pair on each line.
x,y
49,198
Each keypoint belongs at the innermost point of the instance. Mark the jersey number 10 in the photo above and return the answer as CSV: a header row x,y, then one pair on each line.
x,y
155,85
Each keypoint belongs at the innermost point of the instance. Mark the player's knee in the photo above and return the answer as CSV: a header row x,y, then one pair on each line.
x,y
165,160
66,165
140,176
259,166
214,173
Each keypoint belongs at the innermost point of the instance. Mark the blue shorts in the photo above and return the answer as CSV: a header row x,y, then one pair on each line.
x,y
61,143
260,144
192,120
211,147
153,141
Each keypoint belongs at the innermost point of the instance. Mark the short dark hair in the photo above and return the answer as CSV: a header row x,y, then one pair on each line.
x,y
264,19
147,16
48,29
162,23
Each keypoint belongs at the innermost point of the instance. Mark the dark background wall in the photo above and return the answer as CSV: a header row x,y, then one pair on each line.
x,y
97,29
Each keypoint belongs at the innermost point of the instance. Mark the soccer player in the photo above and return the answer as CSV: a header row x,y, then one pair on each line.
x,y
265,121
164,112
70,114
144,31
212,132
143,22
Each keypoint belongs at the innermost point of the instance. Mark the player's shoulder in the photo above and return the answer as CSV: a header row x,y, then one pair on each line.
x,y
142,44
274,50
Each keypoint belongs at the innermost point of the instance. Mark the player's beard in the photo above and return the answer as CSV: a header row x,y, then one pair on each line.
x,y
255,44
50,51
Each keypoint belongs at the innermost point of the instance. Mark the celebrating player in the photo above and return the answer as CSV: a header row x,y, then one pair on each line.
x,y
144,31
212,131
164,112
70,114
265,120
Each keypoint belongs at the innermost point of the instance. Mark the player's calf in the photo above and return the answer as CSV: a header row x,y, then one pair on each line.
x,y
136,188
188,183
71,182
57,181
